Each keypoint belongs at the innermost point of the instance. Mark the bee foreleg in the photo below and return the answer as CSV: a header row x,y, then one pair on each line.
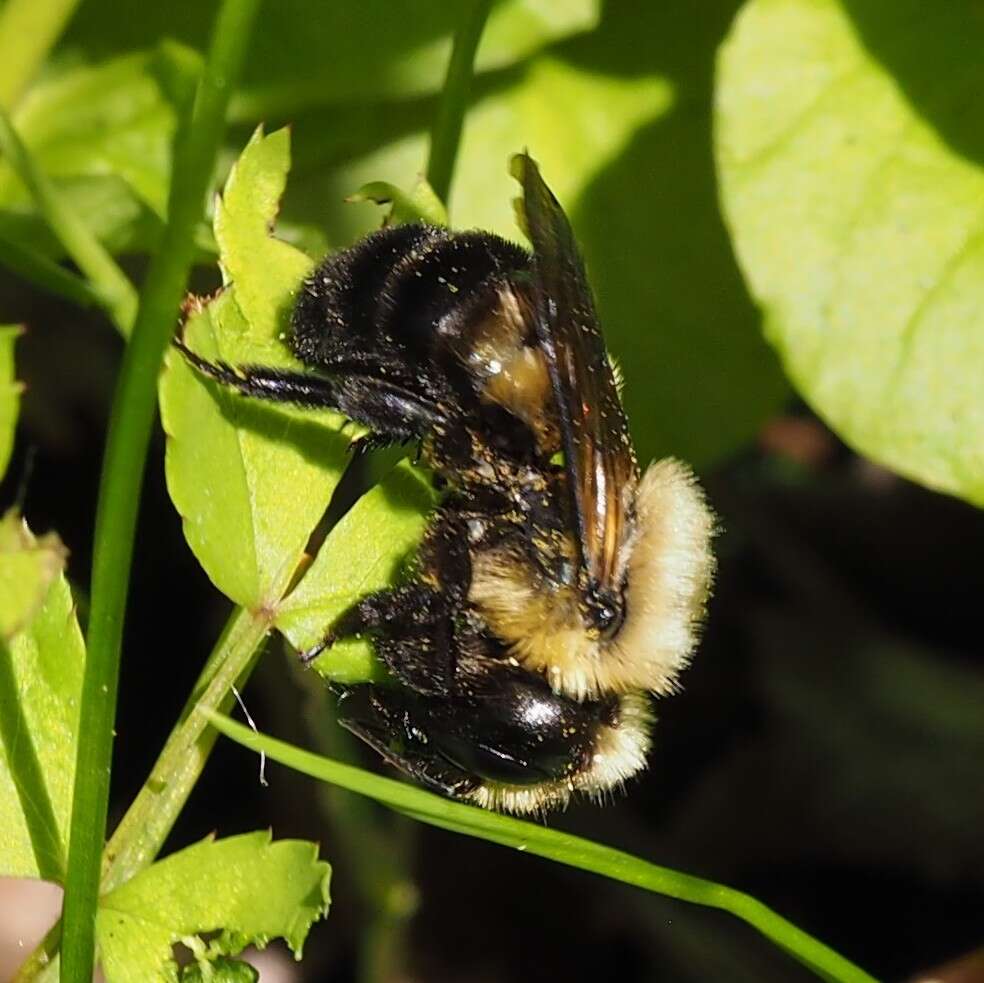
x,y
393,412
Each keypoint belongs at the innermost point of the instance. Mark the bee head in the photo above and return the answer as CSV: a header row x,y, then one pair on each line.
x,y
604,611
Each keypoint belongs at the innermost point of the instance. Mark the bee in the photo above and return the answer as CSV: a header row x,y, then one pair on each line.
x,y
557,587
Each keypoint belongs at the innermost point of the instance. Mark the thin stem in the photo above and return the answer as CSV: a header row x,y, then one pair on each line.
x,y
28,29
126,450
142,831
446,132
42,964
84,248
558,846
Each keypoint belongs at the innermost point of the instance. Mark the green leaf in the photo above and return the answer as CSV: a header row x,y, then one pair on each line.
x,y
41,661
116,118
103,135
222,970
247,887
622,132
554,845
364,552
250,480
10,391
850,155
420,204
28,566
265,271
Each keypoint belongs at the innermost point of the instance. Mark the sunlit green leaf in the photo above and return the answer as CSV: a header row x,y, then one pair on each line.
x,y
250,480
41,662
29,566
364,552
10,391
265,271
248,888
850,157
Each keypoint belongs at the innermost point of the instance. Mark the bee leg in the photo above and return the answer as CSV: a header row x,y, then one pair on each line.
x,y
415,621
414,640
393,412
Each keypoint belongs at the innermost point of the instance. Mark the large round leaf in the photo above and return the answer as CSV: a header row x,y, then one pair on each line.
x,y
849,150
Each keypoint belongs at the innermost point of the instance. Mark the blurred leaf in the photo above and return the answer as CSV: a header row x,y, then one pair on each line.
x,y
573,122
850,157
363,553
891,712
250,888
107,205
878,730
249,479
115,118
103,135
311,53
41,661
10,391
37,268
621,129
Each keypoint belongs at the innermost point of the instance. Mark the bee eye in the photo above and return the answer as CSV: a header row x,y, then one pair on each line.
x,y
606,614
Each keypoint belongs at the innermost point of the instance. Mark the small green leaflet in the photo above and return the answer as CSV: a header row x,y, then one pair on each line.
x,y
420,204
247,887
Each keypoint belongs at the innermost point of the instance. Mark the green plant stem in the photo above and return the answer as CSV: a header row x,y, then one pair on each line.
x,y
556,845
126,450
28,29
109,281
446,131
139,837
141,833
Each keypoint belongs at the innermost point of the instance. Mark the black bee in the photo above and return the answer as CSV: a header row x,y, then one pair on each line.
x,y
556,586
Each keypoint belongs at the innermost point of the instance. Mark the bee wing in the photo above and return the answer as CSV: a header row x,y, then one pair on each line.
x,y
599,458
